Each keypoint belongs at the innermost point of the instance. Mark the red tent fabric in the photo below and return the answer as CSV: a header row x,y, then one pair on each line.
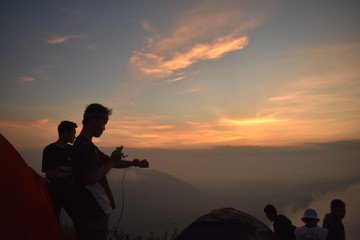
x,y
25,206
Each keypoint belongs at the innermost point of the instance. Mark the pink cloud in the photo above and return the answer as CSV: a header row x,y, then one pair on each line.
x,y
27,79
61,39
177,79
192,90
149,63
206,32
146,26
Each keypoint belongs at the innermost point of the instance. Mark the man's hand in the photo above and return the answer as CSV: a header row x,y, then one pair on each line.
x,y
141,164
116,156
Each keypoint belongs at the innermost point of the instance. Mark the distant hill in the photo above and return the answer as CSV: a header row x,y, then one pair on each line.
x,y
155,201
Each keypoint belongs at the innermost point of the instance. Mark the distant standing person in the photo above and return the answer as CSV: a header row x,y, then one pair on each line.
x,y
333,220
90,167
283,227
310,231
57,166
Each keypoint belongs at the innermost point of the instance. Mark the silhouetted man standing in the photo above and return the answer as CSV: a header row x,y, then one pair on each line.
x,y
333,220
283,227
90,167
57,166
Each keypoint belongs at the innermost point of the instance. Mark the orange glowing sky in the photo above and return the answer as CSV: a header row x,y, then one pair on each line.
x,y
183,74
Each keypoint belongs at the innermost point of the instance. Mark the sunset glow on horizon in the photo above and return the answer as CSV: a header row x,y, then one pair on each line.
x,y
183,75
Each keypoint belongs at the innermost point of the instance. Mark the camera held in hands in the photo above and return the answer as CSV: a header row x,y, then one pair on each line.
x,y
136,162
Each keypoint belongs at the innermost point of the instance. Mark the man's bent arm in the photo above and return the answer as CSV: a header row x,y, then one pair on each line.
x,y
55,174
99,173
124,164
95,176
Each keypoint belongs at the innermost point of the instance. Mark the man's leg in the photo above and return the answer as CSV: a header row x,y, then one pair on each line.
x,y
54,201
94,229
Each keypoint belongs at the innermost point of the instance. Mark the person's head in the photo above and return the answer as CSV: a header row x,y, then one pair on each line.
x,y
67,131
270,212
95,118
338,208
310,217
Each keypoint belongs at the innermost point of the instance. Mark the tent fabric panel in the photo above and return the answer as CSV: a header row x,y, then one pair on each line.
x,y
214,231
212,227
25,204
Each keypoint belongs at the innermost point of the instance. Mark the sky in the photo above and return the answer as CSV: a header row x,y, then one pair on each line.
x,y
182,74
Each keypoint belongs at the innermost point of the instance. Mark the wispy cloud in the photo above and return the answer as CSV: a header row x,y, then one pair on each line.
x,y
91,46
286,97
254,121
153,64
206,32
323,101
146,26
167,132
27,79
176,79
44,130
41,70
192,90
39,123
325,91
61,39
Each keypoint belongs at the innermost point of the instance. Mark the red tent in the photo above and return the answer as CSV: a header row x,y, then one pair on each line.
x,y
25,207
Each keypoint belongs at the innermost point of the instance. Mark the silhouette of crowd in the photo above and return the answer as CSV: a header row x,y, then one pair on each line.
x,y
332,227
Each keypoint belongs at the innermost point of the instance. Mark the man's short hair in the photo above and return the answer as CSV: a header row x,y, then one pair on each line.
x,y
65,126
97,111
337,203
270,209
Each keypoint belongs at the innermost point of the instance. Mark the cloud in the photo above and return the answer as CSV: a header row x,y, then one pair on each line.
x,y
41,70
156,64
177,79
61,39
206,32
91,46
165,131
27,79
192,90
348,145
319,103
322,100
146,26
286,97
43,130
255,121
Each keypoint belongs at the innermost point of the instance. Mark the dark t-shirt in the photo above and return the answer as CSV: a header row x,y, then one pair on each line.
x,y
87,157
335,227
54,157
283,228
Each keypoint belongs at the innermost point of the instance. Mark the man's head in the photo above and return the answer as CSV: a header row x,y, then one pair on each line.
x,y
66,130
95,118
270,212
338,208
